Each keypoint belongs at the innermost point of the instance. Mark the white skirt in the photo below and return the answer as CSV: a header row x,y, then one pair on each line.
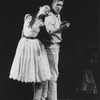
x,y
30,63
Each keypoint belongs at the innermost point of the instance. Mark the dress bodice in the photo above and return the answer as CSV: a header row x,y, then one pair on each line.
x,y
34,30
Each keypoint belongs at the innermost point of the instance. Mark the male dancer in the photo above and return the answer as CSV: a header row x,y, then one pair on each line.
x,y
54,27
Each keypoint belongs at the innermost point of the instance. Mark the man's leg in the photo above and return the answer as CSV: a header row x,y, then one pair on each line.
x,y
52,90
53,56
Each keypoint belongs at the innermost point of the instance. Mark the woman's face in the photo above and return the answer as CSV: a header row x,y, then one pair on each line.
x,y
44,10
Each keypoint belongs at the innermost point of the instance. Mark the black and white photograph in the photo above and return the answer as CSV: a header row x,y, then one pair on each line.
x,y
49,50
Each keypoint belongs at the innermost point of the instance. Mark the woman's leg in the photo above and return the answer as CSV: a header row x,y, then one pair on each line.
x,y
37,87
45,90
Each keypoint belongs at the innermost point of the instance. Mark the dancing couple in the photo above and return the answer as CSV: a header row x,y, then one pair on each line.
x,y
36,60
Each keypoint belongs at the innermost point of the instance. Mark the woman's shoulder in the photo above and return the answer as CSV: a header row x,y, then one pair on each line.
x,y
26,15
50,16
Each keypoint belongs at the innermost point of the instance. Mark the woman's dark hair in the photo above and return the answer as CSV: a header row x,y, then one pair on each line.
x,y
31,23
42,16
33,19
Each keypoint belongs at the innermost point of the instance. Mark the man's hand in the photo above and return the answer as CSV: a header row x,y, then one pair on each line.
x,y
65,24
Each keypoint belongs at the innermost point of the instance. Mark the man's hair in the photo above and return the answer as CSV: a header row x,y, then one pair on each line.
x,y
56,1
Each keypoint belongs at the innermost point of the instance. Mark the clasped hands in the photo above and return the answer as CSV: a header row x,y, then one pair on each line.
x,y
64,25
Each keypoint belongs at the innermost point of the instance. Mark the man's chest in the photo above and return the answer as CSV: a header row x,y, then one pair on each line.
x,y
57,21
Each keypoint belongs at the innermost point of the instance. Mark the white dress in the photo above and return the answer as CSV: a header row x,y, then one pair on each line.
x,y
30,63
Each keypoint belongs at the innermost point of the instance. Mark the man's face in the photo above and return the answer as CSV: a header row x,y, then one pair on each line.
x,y
57,6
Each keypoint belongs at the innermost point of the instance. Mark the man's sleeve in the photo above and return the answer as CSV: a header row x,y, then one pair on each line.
x,y
49,23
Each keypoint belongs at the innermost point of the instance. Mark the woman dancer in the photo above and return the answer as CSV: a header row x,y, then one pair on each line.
x,y
30,63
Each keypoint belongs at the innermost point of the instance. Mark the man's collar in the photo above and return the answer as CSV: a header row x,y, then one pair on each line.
x,y
56,14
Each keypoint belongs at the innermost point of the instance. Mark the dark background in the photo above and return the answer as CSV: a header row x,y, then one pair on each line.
x,y
80,44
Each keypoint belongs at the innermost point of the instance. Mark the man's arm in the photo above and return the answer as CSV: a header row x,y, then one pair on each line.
x,y
50,25
62,27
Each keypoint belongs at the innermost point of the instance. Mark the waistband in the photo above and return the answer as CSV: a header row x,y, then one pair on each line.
x,y
28,37
50,43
